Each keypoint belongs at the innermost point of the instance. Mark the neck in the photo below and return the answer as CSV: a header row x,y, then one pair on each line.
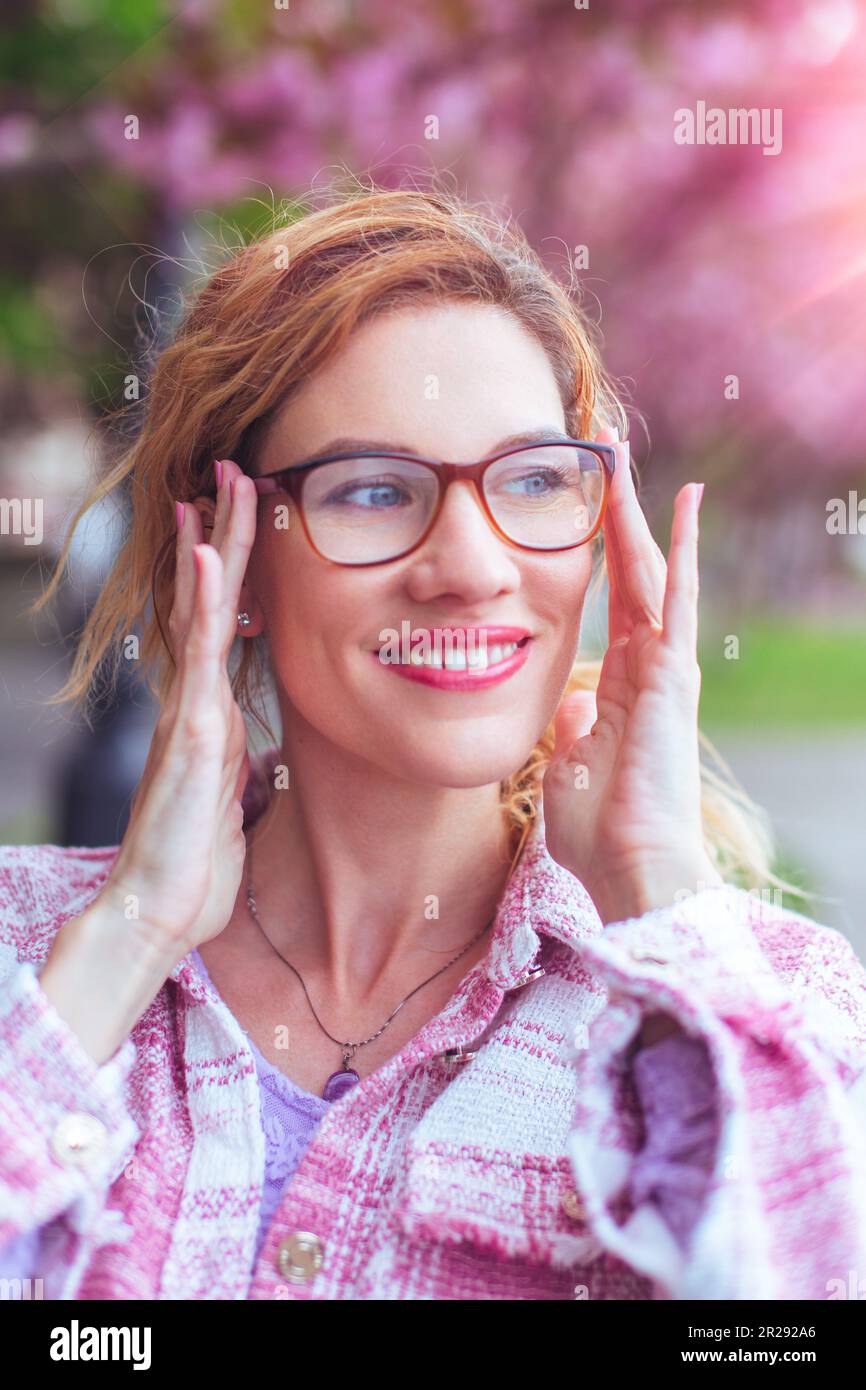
x,y
364,881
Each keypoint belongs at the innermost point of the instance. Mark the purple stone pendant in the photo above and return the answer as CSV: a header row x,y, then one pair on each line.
x,y
339,1082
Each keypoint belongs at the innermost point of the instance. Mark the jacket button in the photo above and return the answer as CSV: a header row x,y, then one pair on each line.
x,y
534,974
455,1057
300,1257
573,1206
76,1138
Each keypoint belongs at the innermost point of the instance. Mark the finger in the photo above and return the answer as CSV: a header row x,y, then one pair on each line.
x,y
640,576
232,535
608,435
680,616
619,616
615,694
189,535
243,776
203,648
575,717
620,619
239,537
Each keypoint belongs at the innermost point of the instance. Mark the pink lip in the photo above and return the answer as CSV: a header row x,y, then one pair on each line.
x,y
443,679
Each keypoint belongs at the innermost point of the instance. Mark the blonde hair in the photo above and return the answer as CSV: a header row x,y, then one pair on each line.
x,y
262,322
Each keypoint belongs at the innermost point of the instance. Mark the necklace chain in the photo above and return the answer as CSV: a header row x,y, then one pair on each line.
x,y
348,1048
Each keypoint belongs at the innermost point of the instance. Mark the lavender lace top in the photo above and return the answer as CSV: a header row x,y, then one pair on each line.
x,y
674,1083
676,1089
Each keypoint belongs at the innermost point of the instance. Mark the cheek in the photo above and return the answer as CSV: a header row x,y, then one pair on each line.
x,y
314,612
556,591
559,592
289,584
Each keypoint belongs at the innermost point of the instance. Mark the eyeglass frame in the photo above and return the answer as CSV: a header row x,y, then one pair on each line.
x,y
291,481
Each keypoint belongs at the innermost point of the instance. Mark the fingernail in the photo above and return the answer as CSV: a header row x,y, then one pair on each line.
x,y
179,514
218,469
698,495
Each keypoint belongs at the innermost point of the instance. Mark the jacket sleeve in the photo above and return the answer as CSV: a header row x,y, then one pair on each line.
x,y
65,1132
776,1006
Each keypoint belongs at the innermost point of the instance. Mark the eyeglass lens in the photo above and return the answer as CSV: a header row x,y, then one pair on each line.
x,y
361,510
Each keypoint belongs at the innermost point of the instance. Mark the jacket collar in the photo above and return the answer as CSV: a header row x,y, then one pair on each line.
x,y
541,899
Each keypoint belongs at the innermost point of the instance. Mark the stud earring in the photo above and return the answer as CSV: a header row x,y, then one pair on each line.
x,y
244,619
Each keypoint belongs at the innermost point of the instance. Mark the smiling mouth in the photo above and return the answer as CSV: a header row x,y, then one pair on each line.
x,y
474,668
479,659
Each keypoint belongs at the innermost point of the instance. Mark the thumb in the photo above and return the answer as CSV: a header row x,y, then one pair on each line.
x,y
243,777
575,717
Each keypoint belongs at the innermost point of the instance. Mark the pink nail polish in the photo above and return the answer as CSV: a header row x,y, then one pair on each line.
x,y
218,469
180,514
698,497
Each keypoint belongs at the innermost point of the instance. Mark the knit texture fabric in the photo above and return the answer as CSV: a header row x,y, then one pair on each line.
x,y
674,1084
289,1116
510,1176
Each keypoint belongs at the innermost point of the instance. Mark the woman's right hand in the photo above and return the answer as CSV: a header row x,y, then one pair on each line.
x,y
180,863
175,878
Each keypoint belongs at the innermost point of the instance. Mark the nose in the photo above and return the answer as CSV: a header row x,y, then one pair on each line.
x,y
463,555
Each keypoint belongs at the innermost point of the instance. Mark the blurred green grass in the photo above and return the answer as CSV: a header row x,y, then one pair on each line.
x,y
788,674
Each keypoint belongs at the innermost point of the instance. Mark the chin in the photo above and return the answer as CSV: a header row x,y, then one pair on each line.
x,y
450,765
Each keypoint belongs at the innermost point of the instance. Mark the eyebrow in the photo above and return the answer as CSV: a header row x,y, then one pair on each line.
x,y
347,444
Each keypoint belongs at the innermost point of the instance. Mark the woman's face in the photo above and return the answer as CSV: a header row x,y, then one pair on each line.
x,y
447,382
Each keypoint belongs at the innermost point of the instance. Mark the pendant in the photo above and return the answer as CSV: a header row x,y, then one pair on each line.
x,y
339,1082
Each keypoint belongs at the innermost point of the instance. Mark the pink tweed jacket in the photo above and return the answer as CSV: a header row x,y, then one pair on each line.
x,y
502,1177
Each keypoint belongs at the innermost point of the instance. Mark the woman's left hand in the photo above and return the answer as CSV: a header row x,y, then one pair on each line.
x,y
622,793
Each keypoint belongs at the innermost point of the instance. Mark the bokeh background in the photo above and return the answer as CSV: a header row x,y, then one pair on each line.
x,y
700,263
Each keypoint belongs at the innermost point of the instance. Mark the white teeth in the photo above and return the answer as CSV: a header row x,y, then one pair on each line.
x,y
475,659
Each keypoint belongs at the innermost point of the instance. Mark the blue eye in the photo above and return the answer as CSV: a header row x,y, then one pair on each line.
x,y
539,482
378,496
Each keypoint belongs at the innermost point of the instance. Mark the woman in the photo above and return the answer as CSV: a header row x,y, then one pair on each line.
x,y
364,1017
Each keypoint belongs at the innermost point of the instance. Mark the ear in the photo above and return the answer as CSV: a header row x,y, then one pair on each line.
x,y
248,603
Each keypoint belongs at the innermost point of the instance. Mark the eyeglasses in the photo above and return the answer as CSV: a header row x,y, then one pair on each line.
x,y
369,508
